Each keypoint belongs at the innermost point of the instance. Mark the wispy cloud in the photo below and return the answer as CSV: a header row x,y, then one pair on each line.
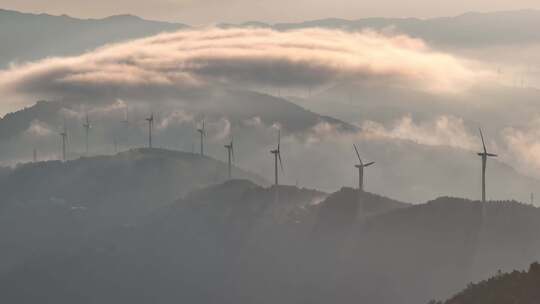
x,y
523,146
39,129
443,130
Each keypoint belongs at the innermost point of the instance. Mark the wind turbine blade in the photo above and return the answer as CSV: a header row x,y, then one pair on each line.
x,y
232,147
369,164
279,140
357,154
483,142
280,162
492,155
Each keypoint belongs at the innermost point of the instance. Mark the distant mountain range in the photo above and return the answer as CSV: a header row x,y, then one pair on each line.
x,y
467,30
242,243
28,37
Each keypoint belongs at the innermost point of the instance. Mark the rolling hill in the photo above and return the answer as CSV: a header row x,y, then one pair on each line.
x,y
242,243
51,206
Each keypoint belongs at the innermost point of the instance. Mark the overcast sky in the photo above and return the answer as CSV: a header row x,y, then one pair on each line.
x,y
197,12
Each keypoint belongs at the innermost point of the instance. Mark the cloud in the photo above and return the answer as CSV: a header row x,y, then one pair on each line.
x,y
523,145
175,118
188,60
39,129
443,130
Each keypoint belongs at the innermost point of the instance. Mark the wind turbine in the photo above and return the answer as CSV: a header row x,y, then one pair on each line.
x,y
150,125
126,117
35,156
87,126
361,167
125,123
484,156
230,153
64,135
202,132
277,155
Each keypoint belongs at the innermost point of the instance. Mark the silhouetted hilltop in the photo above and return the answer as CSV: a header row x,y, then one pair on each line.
x,y
456,240
156,175
349,200
348,207
240,108
57,205
13,124
20,33
508,288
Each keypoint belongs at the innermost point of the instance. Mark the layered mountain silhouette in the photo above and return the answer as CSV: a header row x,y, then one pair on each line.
x,y
28,37
251,116
238,242
466,30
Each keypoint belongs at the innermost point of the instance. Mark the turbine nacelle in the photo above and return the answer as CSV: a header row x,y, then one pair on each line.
x,y
277,157
487,154
87,125
364,165
230,148
202,130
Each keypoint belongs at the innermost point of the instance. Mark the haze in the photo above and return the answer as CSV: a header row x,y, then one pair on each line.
x,y
212,11
317,154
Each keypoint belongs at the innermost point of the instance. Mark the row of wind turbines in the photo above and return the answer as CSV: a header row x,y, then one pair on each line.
x,y
278,163
361,165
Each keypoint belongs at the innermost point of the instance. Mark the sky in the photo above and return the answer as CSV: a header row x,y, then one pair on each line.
x,y
201,12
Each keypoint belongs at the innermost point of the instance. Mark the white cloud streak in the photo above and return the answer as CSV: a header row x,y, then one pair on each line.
x,y
188,60
523,146
443,130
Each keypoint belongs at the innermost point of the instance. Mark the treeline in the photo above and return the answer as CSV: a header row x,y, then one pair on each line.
x,y
518,287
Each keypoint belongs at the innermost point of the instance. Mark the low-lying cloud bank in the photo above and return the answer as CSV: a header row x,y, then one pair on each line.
x,y
445,130
188,60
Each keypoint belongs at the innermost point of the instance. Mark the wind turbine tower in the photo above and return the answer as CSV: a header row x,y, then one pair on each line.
x,y
150,125
64,135
202,132
484,156
35,157
277,156
230,154
361,167
87,126
125,123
